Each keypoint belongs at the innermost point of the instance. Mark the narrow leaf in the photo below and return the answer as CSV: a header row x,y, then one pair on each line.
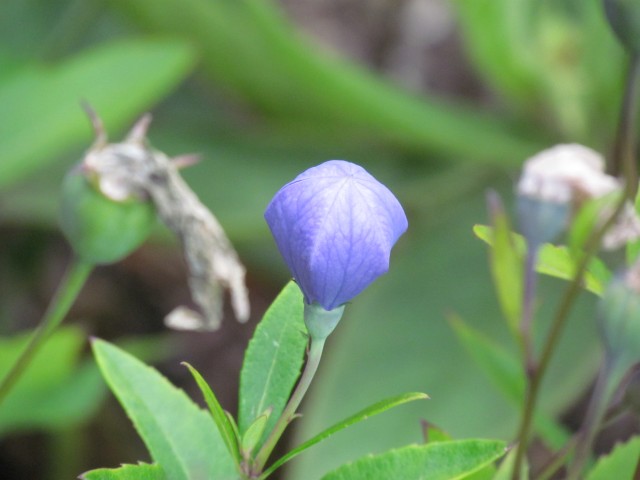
x,y
127,472
254,433
370,411
505,371
620,463
437,461
555,261
273,359
218,414
506,265
181,438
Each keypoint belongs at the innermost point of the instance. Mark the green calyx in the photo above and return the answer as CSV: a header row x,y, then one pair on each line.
x,y
320,322
624,18
99,229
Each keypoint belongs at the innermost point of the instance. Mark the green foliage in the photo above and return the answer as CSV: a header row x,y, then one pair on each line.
x,y
555,57
621,463
370,411
437,461
556,261
57,390
181,438
254,433
506,265
505,370
303,87
273,359
224,422
41,117
127,472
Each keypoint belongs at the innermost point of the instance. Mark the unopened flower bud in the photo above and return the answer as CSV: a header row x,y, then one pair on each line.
x,y
335,225
624,18
99,229
556,182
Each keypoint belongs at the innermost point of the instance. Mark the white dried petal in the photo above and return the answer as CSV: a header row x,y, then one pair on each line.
x,y
566,173
572,174
130,168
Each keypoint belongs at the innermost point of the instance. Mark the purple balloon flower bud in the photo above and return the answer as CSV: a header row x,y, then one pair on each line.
x,y
335,225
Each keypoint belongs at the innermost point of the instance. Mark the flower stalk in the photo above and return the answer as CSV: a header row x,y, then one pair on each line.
x,y
557,326
67,292
316,347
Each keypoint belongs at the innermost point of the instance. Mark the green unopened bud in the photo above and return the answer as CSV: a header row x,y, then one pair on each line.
x,y
540,220
102,230
619,317
624,18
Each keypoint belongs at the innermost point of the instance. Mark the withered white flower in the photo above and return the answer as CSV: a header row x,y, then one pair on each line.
x,y
571,174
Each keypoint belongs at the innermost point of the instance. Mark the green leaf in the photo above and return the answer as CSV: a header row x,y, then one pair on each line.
x,y
506,372
506,265
127,472
57,390
555,261
254,433
219,415
181,438
621,463
437,461
40,114
498,37
273,359
370,411
251,48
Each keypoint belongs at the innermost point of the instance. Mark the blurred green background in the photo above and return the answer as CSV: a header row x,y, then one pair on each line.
x,y
438,99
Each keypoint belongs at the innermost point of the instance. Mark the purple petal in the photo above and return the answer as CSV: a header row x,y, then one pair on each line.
x,y
335,226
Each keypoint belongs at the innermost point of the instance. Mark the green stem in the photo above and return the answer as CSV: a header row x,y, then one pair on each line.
x,y
623,157
313,360
562,314
66,294
609,378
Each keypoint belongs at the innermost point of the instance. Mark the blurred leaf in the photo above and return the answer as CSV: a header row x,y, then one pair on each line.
x,y
505,370
40,114
556,261
250,48
127,472
56,390
273,359
506,266
173,428
370,411
621,463
554,60
437,461
505,470
218,414
498,36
